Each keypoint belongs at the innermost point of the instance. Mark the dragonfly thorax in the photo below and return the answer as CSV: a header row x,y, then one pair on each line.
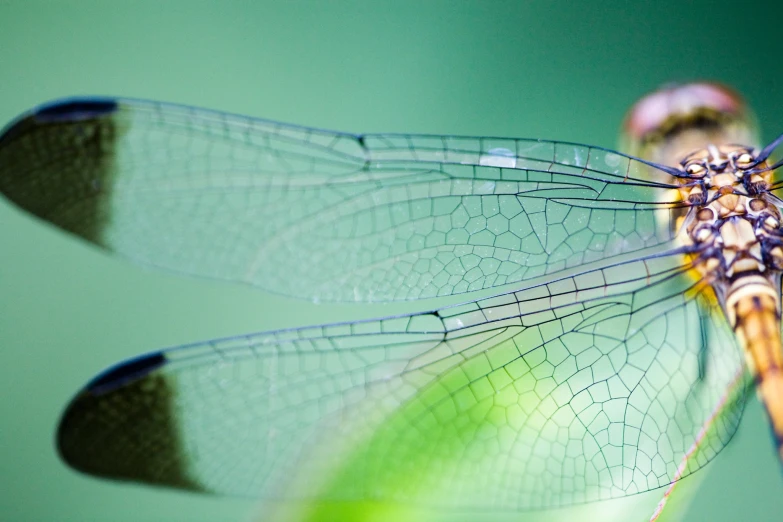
x,y
733,222
722,175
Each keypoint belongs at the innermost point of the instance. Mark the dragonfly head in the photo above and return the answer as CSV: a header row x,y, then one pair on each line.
x,y
669,124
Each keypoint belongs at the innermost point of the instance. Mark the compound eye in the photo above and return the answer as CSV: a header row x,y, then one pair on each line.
x,y
744,160
696,170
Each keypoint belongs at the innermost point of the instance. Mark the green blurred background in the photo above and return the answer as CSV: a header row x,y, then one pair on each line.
x,y
556,70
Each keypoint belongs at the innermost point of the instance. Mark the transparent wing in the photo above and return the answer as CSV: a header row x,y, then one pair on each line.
x,y
589,387
320,214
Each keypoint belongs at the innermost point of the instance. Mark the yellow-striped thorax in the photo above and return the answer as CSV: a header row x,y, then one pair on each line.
x,y
733,223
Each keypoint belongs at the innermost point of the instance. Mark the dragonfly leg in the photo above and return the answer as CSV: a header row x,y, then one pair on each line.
x,y
733,392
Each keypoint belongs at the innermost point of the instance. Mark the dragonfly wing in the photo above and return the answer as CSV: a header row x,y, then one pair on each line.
x,y
585,388
320,214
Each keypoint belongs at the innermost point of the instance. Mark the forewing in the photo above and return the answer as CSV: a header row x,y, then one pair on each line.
x,y
586,388
321,214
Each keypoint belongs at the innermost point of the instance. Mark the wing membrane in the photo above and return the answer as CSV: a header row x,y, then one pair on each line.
x,y
586,388
321,214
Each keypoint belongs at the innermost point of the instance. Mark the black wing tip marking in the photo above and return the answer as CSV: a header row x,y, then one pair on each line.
x,y
124,425
75,109
124,372
63,110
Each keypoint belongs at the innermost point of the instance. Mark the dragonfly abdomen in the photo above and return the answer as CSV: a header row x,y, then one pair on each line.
x,y
756,308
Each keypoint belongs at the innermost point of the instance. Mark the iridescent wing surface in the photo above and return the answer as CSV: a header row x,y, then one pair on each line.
x,y
324,215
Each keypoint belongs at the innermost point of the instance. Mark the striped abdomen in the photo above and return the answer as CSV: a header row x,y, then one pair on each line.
x,y
755,307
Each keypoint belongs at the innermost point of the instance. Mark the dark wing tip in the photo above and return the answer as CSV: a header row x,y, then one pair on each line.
x,y
125,425
125,372
75,109
63,110
57,162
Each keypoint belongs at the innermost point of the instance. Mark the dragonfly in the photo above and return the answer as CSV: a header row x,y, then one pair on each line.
x,y
594,320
